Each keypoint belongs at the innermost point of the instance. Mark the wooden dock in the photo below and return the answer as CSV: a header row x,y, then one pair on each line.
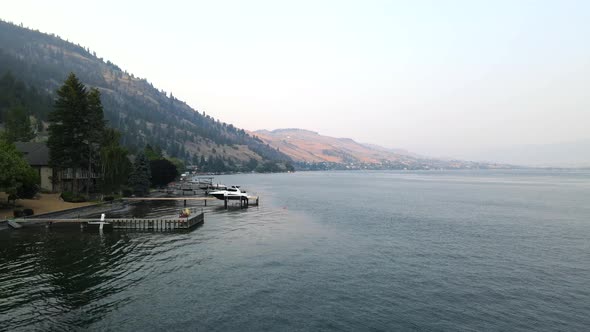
x,y
168,198
156,224
244,203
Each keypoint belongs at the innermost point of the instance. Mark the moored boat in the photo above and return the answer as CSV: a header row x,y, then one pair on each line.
x,y
233,193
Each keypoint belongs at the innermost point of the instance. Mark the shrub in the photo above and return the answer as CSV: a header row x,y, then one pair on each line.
x,y
66,196
108,198
70,197
27,190
28,212
79,199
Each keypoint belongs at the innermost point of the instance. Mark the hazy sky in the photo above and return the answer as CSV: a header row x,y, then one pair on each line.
x,y
436,77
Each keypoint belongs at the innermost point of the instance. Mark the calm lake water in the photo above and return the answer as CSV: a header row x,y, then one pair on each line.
x,y
333,251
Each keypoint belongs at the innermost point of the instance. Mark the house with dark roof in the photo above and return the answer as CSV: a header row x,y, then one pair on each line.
x,y
37,155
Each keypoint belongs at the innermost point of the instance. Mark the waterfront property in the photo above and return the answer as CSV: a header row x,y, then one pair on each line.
x,y
37,155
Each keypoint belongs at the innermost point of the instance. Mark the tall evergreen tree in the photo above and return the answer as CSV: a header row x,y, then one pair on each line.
x,y
66,135
140,177
115,165
163,171
75,129
94,127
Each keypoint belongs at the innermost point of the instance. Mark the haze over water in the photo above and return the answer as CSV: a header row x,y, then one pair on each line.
x,y
502,81
462,250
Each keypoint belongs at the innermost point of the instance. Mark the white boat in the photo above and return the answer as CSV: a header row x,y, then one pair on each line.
x,y
233,193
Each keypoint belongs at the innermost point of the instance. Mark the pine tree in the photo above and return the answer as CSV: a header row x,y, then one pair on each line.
x,y
140,177
76,127
65,132
95,129
115,166
163,171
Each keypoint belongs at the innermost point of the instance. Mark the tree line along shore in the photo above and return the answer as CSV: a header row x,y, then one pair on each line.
x,y
85,158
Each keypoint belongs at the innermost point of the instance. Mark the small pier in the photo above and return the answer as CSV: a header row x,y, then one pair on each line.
x,y
244,202
155,224
202,199
158,224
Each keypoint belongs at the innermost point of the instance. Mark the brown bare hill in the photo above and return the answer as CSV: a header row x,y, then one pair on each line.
x,y
309,146
312,151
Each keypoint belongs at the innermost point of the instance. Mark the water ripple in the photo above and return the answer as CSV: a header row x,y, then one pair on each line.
x,y
453,253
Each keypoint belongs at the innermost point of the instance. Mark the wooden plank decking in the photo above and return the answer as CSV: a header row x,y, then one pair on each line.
x,y
243,203
168,198
189,198
159,224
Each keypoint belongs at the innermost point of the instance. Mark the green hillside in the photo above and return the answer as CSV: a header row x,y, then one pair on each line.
x,y
144,114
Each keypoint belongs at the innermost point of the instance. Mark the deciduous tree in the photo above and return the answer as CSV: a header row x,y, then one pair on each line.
x,y
16,173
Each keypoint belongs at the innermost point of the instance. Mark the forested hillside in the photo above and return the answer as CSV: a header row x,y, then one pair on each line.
x,y
143,114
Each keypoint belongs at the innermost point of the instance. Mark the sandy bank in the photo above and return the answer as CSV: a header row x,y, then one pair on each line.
x,y
44,203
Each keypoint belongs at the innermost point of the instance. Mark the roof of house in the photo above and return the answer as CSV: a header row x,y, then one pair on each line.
x,y
36,154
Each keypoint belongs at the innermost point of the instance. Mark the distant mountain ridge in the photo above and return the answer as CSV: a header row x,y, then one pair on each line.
x,y
144,114
310,146
305,147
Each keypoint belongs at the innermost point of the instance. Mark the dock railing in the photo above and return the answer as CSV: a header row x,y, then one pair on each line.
x,y
156,224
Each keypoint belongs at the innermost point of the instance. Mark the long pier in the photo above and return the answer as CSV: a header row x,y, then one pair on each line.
x,y
245,202
168,198
156,224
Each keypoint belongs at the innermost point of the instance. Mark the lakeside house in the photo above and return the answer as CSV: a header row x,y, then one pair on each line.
x,y
37,155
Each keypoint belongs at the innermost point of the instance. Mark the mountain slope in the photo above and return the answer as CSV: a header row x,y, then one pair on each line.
x,y
133,105
305,147
309,146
